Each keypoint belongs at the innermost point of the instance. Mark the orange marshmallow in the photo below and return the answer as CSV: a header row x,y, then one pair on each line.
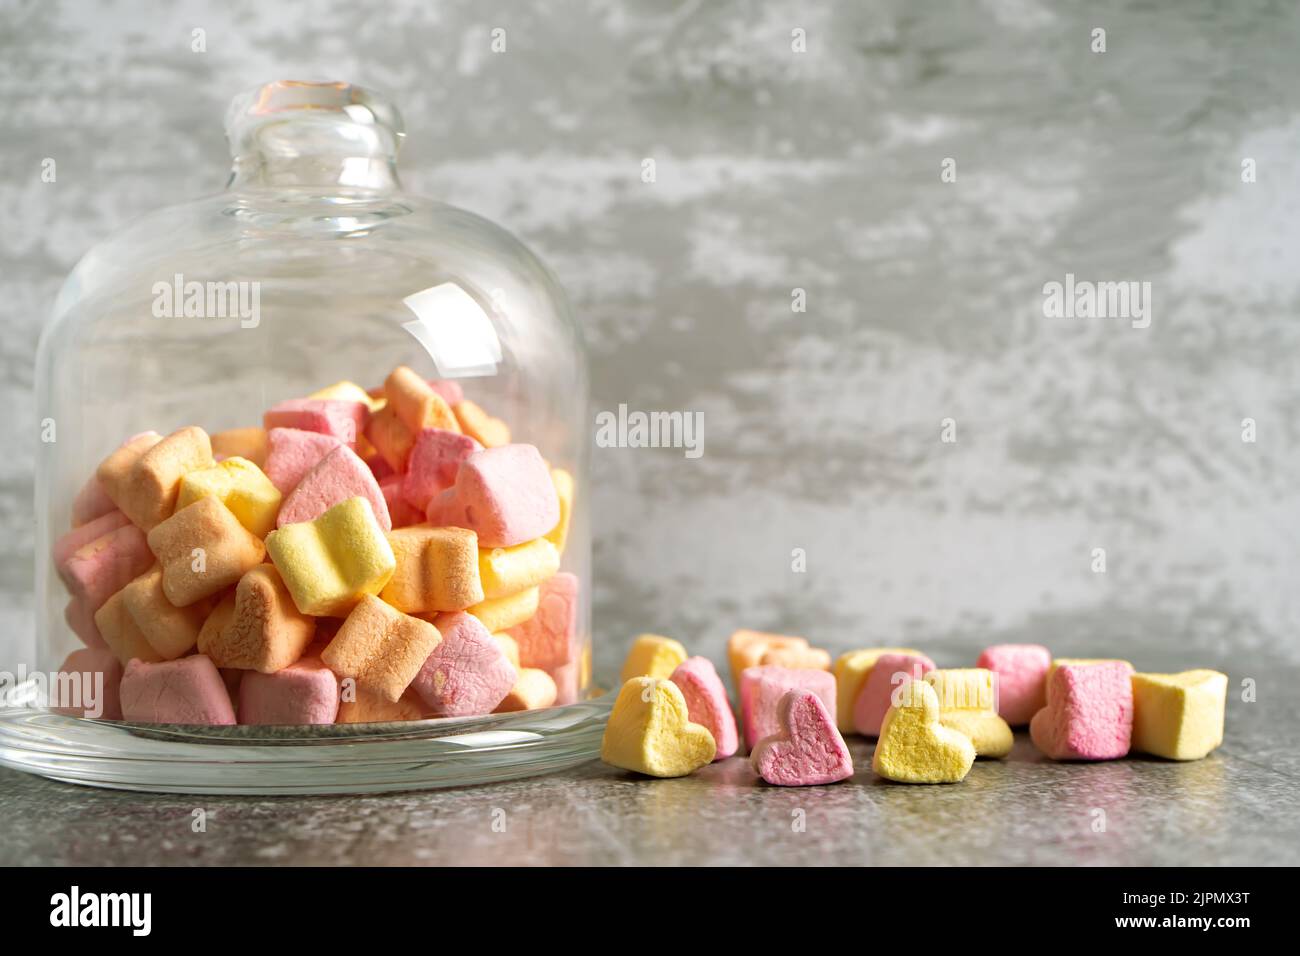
x,y
479,425
797,658
381,648
257,628
144,481
171,631
746,649
203,548
122,635
247,443
367,708
391,437
437,570
533,689
417,405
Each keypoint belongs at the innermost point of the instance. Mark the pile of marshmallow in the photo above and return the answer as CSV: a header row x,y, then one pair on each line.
x,y
361,556
672,715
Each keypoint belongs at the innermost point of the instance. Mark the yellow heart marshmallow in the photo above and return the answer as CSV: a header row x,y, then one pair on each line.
x,y
852,669
652,656
650,732
1179,716
968,703
914,747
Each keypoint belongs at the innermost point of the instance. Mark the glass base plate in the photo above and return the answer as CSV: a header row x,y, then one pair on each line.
x,y
320,759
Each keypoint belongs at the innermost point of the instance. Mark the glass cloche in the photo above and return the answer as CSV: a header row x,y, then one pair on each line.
x,y
311,494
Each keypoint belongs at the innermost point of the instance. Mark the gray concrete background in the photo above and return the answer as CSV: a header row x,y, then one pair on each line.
x,y
819,170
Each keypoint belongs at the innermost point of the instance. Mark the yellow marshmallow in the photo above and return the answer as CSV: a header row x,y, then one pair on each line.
x,y
852,669
497,614
653,656
914,747
1179,716
509,647
968,703
239,485
649,731
505,571
563,482
346,391
329,563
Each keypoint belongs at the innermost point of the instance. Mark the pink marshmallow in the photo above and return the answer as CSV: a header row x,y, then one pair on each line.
x,y
1089,712
505,495
82,535
305,692
808,749
81,621
877,692
707,704
98,570
568,678
338,476
435,458
188,690
292,452
401,514
88,685
342,419
450,391
467,673
91,502
1021,671
549,638
761,690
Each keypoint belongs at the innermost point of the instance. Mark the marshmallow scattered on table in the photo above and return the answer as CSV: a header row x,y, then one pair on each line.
x,y
1022,679
761,690
707,703
807,750
1089,710
650,731
1179,716
652,655
852,668
914,746
968,703
877,693
745,649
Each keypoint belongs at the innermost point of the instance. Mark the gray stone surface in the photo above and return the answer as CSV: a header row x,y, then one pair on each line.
x,y
780,170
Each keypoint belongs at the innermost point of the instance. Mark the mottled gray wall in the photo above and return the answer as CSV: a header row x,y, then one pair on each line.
x,y
817,170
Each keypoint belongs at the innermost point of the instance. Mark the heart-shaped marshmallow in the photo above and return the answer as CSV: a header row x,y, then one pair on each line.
x,y
707,704
877,693
914,747
808,750
650,731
